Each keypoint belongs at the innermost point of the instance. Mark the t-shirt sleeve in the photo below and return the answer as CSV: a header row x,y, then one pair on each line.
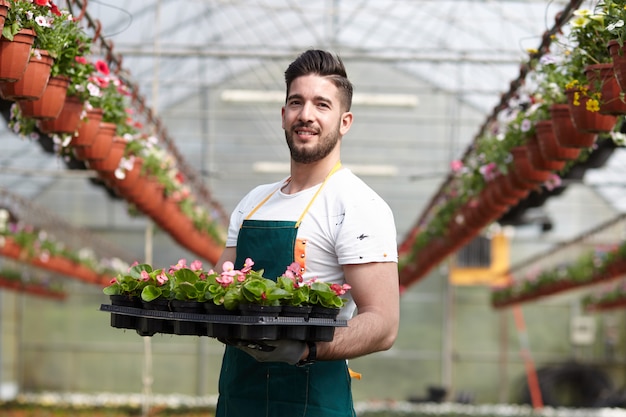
x,y
367,234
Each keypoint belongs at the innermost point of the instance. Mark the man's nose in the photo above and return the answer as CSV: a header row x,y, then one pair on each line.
x,y
306,112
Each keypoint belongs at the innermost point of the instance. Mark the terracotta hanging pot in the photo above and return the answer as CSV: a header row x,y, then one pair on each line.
x,y
524,172
566,134
489,198
51,102
550,148
499,191
511,186
14,55
170,217
67,120
151,197
112,160
601,78
618,55
585,120
125,186
87,128
537,159
101,146
33,82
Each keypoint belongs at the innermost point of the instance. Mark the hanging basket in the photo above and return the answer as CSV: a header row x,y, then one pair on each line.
x,y
585,120
14,55
601,79
126,186
549,142
618,55
50,104
112,160
33,82
101,146
523,170
537,159
67,120
88,128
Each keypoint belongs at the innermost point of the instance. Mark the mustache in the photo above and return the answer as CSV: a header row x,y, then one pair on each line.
x,y
302,125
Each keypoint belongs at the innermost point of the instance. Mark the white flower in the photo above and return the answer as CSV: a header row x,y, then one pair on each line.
x,y
94,90
619,138
42,21
615,25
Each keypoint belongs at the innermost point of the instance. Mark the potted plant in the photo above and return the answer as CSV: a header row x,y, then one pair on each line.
x,y
68,42
188,290
129,285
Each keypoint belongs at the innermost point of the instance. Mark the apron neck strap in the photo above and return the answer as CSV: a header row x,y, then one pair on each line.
x,y
306,209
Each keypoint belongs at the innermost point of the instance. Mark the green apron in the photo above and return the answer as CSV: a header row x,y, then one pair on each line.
x,y
272,389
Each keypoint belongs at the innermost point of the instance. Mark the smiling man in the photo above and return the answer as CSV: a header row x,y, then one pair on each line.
x,y
343,232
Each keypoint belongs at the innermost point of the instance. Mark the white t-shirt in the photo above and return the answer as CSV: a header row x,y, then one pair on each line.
x,y
348,223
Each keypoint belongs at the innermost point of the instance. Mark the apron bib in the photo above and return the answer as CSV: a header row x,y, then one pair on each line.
x,y
253,389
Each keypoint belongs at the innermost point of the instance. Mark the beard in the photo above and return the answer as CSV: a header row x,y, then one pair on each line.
x,y
305,155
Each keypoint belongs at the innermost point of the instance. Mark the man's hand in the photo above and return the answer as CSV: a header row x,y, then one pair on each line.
x,y
289,351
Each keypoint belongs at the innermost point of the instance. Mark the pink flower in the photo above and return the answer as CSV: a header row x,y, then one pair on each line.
x,y
456,165
552,182
247,266
145,276
196,265
224,279
162,278
293,272
340,289
182,263
489,171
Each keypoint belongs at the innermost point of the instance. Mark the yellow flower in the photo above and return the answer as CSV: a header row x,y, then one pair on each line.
x,y
576,101
579,22
593,105
571,84
582,12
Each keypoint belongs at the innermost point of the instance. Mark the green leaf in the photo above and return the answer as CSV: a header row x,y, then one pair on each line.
x,y
150,293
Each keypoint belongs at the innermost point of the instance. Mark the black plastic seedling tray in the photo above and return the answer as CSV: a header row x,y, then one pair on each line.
x,y
228,326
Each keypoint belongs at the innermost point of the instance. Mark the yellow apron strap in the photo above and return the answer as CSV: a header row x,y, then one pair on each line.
x,y
306,209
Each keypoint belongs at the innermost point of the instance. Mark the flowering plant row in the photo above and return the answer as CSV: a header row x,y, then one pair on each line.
x,y
229,288
37,243
589,268
561,74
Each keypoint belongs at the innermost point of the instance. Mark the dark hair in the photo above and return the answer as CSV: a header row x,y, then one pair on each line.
x,y
324,64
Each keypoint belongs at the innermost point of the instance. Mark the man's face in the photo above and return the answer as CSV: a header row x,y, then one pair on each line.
x,y
313,118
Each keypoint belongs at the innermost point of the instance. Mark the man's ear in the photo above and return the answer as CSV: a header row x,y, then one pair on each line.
x,y
346,122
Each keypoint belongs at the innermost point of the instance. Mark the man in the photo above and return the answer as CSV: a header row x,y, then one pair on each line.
x,y
344,232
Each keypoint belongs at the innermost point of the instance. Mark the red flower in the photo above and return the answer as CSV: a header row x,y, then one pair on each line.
x,y
41,2
102,67
100,81
81,59
54,9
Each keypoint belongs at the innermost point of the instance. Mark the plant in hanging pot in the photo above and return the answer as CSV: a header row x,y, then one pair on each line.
x,y
69,44
52,32
108,92
588,65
